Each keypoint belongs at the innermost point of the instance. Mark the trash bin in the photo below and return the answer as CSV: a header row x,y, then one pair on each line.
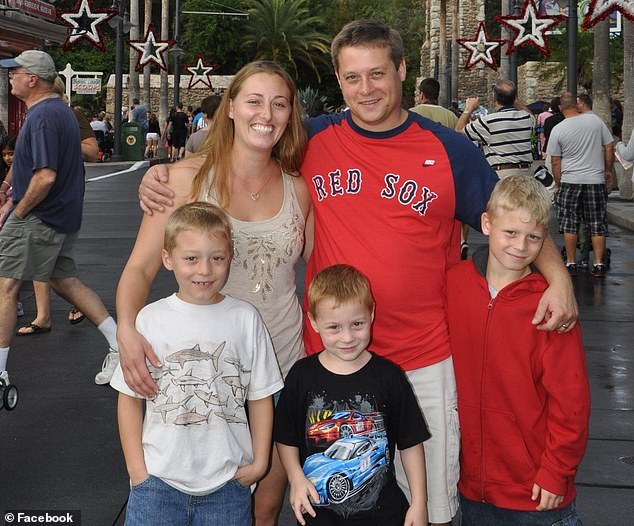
x,y
132,141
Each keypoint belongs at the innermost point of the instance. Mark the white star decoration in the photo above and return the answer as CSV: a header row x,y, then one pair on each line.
x,y
530,28
600,9
200,73
480,48
150,49
85,23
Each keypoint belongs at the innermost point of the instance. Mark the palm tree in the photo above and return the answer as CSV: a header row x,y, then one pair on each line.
x,y
284,31
313,102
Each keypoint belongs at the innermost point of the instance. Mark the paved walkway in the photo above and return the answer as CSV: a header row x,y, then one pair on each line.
x,y
60,448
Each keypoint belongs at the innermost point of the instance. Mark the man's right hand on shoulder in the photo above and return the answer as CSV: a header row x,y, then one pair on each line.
x,y
154,194
133,350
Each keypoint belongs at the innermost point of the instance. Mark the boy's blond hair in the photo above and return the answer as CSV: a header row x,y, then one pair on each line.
x,y
521,191
197,216
342,283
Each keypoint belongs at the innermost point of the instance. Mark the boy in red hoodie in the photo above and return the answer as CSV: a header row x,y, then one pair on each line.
x,y
523,395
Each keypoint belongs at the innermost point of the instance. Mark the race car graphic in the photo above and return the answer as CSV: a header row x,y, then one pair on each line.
x,y
346,467
344,424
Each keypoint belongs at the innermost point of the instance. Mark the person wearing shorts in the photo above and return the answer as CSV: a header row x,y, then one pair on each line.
x,y
48,193
582,152
152,136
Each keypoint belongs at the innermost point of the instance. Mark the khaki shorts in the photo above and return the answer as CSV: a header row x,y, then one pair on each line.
x,y
435,388
32,250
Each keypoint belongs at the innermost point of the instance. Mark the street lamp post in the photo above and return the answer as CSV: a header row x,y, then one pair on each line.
x,y
177,53
121,26
571,29
515,9
118,85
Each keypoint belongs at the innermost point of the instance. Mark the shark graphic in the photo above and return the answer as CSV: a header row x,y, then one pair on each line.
x,y
192,418
209,398
190,380
170,405
159,372
216,355
237,364
234,383
239,401
194,354
231,419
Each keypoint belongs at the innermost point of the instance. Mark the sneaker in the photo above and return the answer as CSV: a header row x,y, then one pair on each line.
x,y
108,366
598,271
464,250
4,378
20,309
571,268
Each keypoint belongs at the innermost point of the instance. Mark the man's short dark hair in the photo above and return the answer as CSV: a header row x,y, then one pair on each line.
x,y
209,105
554,104
135,101
368,33
430,87
505,92
586,99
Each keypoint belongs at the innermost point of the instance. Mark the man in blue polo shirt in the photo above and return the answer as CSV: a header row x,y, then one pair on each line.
x,y
47,180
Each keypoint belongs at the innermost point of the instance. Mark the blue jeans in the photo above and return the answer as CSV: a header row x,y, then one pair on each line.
x,y
483,514
155,503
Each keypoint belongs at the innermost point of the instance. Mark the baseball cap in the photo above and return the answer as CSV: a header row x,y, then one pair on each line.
x,y
37,62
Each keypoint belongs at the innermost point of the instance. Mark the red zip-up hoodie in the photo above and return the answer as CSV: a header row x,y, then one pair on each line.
x,y
523,395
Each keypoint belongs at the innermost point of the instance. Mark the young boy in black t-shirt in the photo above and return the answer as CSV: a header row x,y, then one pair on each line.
x,y
341,414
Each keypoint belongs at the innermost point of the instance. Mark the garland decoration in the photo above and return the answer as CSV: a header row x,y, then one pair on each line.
x,y
85,23
530,28
481,47
151,49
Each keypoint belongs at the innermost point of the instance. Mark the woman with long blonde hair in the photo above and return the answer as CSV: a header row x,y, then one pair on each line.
x,y
249,165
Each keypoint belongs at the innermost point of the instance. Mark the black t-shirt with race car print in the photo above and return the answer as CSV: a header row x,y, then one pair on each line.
x,y
346,428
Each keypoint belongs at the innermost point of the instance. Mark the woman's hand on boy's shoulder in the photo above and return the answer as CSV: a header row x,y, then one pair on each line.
x,y
160,184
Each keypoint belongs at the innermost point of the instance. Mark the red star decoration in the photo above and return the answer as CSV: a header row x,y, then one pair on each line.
x,y
85,23
150,49
481,47
600,9
200,73
530,28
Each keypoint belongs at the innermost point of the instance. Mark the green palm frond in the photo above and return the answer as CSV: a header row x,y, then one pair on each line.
x,y
284,31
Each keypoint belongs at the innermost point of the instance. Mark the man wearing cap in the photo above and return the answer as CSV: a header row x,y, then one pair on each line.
x,y
36,242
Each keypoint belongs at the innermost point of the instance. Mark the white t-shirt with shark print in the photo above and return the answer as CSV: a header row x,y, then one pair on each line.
x,y
215,358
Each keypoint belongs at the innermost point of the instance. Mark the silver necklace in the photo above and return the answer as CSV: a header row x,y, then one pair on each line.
x,y
256,195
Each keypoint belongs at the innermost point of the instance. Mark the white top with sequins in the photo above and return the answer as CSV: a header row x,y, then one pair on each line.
x,y
263,272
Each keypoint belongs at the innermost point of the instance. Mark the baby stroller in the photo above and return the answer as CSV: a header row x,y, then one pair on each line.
x,y
8,394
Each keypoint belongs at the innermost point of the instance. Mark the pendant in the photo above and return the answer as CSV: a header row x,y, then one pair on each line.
x,y
255,196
